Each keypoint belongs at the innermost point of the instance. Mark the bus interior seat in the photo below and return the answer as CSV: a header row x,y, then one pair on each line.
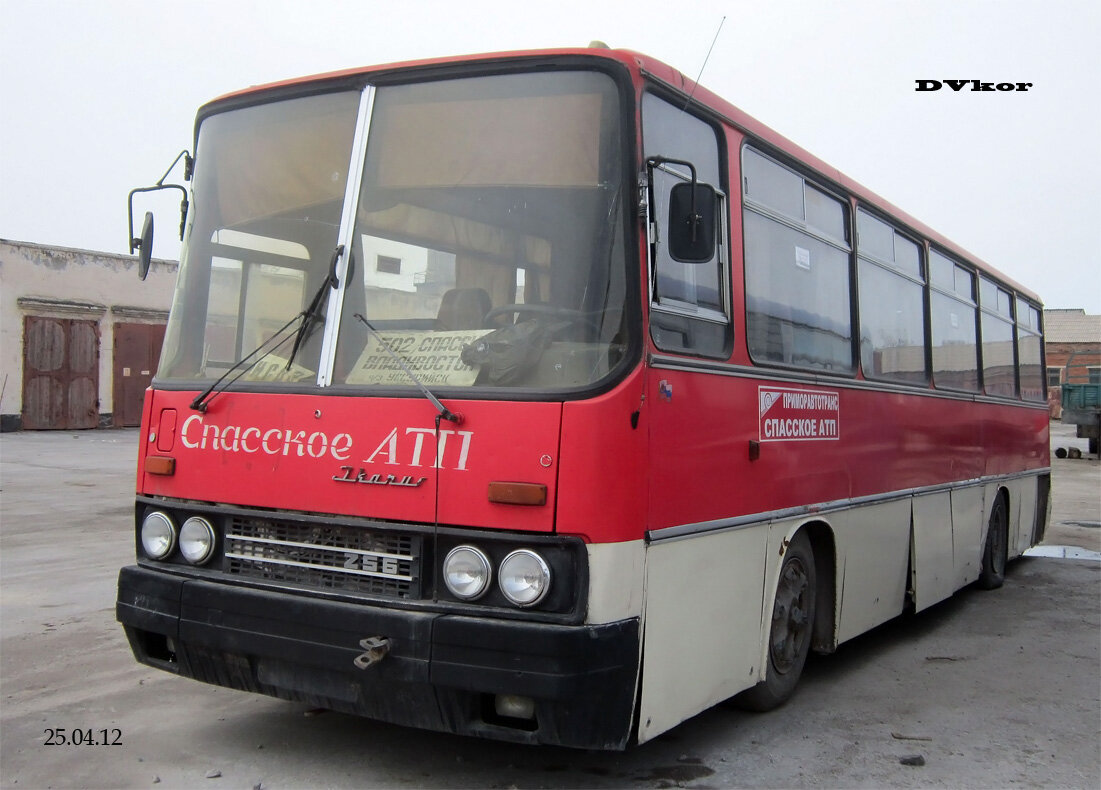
x,y
463,308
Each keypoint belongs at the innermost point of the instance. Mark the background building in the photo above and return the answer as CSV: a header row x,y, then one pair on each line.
x,y
80,336
1073,346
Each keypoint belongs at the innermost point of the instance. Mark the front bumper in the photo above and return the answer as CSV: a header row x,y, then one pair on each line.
x,y
442,671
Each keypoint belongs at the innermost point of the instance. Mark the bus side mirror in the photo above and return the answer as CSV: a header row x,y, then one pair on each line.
x,y
692,208
144,245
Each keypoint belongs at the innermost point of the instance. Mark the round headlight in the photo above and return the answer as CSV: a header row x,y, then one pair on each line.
x,y
524,577
467,572
197,540
158,535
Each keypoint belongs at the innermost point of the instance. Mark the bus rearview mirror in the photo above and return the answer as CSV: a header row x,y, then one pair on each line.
x,y
144,245
692,222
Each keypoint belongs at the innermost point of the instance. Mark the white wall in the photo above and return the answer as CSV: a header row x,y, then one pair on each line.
x,y
70,283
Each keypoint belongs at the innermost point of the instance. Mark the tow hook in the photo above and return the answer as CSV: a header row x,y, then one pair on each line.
x,y
376,648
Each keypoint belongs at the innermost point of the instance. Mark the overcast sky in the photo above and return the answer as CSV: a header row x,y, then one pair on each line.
x,y
98,97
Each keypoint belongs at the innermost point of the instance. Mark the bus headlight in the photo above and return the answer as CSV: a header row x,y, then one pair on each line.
x,y
524,577
197,540
158,535
467,572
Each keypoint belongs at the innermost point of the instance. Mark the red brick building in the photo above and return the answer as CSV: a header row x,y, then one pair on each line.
x,y
1073,349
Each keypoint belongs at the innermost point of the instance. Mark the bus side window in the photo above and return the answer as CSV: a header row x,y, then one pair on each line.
x,y
955,338
999,370
689,311
891,288
1030,357
796,269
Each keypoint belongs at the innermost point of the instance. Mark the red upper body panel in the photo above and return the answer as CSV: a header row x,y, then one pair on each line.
x,y
370,457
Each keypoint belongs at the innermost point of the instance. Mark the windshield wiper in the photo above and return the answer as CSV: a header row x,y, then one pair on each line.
x,y
203,400
312,314
442,412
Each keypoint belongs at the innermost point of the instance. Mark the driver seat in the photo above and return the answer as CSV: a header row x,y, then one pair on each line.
x,y
463,308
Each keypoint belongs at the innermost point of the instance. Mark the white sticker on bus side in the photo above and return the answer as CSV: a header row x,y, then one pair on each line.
x,y
788,414
802,258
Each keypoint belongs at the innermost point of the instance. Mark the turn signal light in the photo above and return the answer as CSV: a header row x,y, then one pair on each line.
x,y
160,465
518,493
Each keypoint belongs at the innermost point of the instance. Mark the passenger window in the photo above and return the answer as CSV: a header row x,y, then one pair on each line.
x,y
825,214
1029,352
955,341
689,311
998,368
796,270
892,312
770,185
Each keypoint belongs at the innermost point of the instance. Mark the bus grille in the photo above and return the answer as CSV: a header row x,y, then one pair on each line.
x,y
325,557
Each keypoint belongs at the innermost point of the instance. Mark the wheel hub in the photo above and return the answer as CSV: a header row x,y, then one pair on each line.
x,y
790,624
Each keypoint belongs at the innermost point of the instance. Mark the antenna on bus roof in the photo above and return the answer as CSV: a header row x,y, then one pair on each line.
x,y
706,58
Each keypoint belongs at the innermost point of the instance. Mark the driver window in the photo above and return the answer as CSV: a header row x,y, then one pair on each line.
x,y
689,306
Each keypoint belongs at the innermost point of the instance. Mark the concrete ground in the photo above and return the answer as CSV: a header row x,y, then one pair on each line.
x,y
988,689
1072,482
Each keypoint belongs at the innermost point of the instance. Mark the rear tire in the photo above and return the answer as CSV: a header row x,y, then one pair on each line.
x,y
790,634
996,551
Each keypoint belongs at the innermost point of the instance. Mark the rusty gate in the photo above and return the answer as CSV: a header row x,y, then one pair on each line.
x,y
60,373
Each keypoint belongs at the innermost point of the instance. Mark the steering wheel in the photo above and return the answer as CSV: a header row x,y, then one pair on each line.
x,y
561,313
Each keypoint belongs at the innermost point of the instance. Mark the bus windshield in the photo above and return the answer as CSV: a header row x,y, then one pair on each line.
x,y
483,237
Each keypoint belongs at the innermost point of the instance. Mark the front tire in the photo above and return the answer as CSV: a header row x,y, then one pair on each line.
x,y
790,634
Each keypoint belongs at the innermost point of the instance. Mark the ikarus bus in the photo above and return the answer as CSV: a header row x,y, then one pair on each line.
x,y
547,397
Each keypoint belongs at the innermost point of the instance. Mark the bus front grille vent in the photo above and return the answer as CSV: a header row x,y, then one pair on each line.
x,y
325,557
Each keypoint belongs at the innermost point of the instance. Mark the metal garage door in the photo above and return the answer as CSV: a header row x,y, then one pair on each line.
x,y
137,350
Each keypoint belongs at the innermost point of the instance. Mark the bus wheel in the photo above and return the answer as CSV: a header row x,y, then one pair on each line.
x,y
790,635
997,547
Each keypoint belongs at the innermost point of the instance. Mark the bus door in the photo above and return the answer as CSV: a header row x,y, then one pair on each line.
x,y
703,582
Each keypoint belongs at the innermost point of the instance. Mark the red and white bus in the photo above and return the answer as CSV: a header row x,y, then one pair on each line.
x,y
548,397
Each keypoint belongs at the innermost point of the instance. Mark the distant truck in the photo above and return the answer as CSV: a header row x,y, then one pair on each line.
x,y
1082,407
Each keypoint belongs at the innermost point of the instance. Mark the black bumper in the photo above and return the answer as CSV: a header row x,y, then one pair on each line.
x,y
441,673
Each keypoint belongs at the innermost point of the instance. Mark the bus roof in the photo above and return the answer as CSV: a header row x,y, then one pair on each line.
x,y
644,66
